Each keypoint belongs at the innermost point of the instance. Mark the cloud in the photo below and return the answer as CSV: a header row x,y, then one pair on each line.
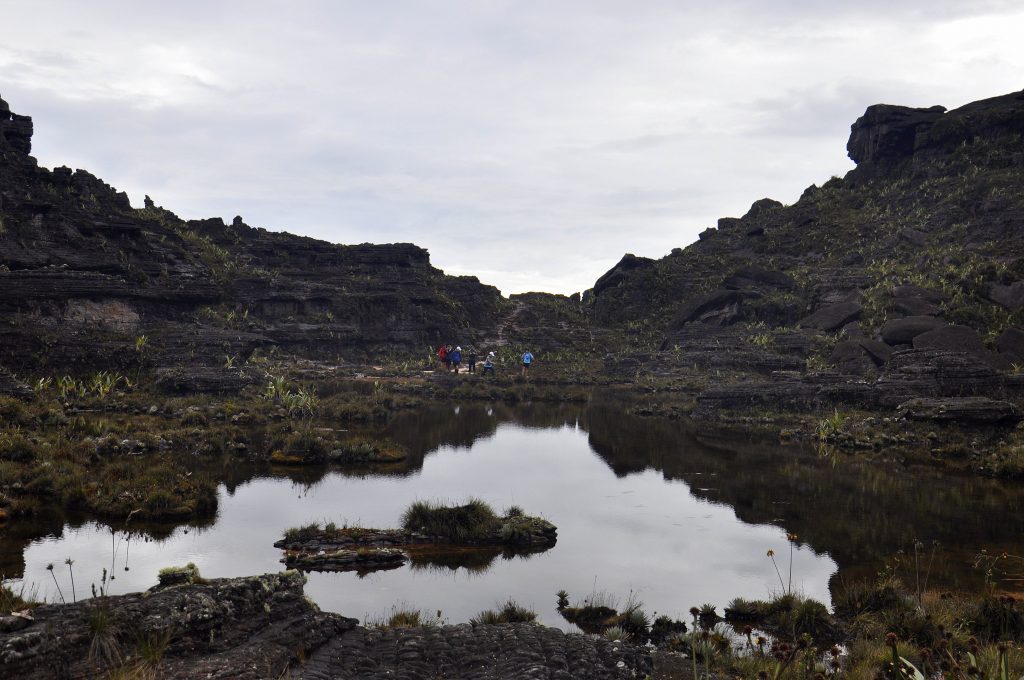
x,y
531,143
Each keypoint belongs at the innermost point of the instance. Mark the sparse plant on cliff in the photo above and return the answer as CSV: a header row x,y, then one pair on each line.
x,y
41,385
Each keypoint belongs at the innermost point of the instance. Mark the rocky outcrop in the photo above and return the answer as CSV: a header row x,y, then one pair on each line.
x,y
888,134
264,627
903,331
617,274
241,628
85,274
971,410
15,130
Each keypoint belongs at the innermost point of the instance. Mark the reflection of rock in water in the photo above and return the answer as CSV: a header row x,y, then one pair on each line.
x,y
473,560
861,512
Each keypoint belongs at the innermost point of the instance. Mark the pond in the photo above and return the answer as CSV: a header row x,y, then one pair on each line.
x,y
676,514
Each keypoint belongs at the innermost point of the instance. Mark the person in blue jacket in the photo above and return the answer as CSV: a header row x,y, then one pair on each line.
x,y
456,357
527,360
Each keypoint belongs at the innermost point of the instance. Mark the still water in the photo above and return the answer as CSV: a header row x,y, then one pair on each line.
x,y
678,516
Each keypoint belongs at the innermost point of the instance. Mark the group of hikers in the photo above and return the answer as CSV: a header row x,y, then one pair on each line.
x,y
452,357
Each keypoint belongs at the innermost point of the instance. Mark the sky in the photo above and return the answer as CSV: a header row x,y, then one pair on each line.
x,y
529,143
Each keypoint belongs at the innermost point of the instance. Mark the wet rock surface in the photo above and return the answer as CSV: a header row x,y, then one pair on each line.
x,y
468,652
264,627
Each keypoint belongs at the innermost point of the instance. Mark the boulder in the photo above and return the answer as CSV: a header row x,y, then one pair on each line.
x,y
902,331
920,292
1010,296
879,352
1010,344
958,339
849,357
832,317
915,307
978,410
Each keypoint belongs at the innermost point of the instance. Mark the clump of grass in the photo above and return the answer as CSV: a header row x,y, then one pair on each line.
x,y
463,523
510,612
180,575
404,616
151,646
303,533
11,601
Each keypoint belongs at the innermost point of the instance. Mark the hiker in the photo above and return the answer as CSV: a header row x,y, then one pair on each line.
x,y
456,358
442,355
527,360
489,364
471,358
447,357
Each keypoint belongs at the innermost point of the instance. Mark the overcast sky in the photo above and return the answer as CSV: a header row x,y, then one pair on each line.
x,y
530,143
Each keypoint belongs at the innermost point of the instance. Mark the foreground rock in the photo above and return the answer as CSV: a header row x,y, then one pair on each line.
x,y
249,627
264,627
483,652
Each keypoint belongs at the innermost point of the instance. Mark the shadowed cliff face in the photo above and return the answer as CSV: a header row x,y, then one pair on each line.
x,y
82,274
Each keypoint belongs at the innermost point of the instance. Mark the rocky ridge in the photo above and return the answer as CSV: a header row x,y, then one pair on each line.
x,y
83,274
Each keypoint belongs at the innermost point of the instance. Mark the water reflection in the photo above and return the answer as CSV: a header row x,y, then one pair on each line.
x,y
681,514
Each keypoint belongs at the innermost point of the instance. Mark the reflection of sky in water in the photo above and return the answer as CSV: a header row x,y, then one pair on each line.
x,y
639,533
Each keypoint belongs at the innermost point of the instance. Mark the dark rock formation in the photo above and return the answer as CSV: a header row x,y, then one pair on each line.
x,y
617,274
961,410
903,331
1010,344
832,317
85,274
959,339
758,277
240,628
718,306
887,134
940,373
264,627
1010,296
483,652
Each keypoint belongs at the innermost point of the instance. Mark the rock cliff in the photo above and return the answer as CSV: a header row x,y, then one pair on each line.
x,y
83,274
910,266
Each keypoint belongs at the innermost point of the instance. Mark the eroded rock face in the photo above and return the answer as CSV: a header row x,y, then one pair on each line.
x,y
260,627
15,130
961,409
241,628
887,133
85,274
